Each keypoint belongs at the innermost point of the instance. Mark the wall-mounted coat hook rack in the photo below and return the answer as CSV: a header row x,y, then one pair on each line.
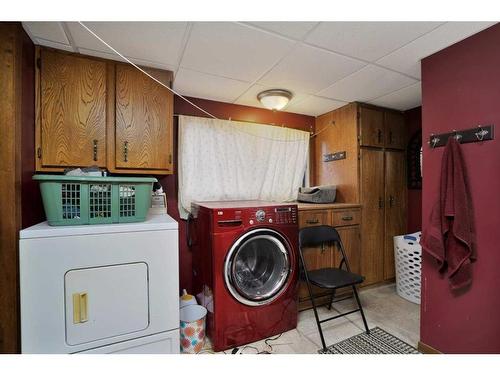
x,y
479,134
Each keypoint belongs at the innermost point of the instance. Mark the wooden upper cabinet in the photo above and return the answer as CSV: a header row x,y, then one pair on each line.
x,y
371,127
143,121
395,130
91,111
71,111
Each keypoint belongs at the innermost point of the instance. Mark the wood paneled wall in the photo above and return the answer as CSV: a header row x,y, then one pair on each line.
x,y
336,133
20,203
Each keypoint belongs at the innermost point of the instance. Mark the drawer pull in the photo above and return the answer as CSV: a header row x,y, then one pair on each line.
x,y
315,221
347,218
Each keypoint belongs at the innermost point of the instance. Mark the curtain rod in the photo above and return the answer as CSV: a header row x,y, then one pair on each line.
x,y
250,122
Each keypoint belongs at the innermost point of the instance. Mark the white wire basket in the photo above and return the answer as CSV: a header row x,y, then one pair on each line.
x,y
408,261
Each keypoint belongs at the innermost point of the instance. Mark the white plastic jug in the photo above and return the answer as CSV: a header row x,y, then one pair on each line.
x,y
186,299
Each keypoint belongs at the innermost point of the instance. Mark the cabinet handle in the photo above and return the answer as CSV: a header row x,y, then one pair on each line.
x,y
379,135
125,151
391,201
95,149
315,221
347,218
322,248
390,137
380,202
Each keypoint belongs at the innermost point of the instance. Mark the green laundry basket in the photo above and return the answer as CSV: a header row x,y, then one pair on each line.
x,y
75,200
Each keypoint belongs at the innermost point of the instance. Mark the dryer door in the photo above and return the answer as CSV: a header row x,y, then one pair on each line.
x,y
257,267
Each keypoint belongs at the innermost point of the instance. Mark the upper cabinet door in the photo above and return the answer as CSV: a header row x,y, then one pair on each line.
x,y
143,115
371,127
71,111
395,130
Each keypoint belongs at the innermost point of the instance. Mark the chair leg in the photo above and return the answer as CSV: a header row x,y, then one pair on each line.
x,y
360,308
316,316
331,299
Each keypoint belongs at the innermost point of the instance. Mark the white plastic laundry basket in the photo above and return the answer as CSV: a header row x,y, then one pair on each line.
x,y
408,259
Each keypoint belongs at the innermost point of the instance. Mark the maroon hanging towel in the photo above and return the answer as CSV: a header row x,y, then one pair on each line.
x,y
450,236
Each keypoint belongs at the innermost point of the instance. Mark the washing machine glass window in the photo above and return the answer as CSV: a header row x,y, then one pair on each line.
x,y
257,267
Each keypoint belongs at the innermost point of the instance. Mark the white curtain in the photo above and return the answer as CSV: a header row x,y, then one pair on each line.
x,y
231,160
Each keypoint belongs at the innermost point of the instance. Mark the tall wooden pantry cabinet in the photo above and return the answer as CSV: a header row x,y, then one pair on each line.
x,y
373,174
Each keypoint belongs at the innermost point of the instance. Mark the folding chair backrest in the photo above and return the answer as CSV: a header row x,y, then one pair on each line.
x,y
317,235
321,235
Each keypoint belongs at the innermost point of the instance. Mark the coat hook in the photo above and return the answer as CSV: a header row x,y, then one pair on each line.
x,y
481,133
434,141
457,136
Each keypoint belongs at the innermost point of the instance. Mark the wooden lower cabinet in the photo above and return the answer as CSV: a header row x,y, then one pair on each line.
x,y
330,256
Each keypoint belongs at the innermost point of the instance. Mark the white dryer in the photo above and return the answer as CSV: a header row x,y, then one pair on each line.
x,y
100,288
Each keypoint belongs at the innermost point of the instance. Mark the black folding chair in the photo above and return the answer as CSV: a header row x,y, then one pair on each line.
x,y
328,278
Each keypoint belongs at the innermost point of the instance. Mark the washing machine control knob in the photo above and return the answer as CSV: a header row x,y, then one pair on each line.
x,y
260,215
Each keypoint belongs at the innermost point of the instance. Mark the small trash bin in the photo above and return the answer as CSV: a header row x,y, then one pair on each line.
x,y
408,260
192,331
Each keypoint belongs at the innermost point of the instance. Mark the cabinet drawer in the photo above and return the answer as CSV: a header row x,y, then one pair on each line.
x,y
346,217
313,217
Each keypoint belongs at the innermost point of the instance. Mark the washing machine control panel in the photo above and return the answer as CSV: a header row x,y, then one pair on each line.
x,y
285,215
273,215
227,219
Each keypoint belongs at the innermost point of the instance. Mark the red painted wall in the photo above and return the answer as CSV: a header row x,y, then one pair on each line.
x,y
222,111
461,89
413,121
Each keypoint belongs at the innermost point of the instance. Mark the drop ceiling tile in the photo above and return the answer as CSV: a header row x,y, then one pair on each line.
x,y
51,44
50,31
295,30
366,84
250,97
232,50
201,85
113,56
315,106
160,42
308,69
407,59
367,40
406,98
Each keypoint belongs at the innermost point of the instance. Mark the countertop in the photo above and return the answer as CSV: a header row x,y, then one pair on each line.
x,y
326,206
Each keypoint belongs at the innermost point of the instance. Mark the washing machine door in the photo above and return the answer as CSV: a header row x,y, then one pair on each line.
x,y
257,267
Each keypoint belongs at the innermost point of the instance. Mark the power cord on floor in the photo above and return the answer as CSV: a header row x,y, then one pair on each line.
x,y
266,341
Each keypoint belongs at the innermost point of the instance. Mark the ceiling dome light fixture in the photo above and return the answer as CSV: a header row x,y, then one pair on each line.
x,y
275,99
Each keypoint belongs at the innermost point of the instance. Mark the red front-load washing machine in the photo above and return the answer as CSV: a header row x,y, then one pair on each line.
x,y
245,265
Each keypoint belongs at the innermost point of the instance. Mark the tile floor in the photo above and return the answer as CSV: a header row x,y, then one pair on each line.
x,y
382,306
